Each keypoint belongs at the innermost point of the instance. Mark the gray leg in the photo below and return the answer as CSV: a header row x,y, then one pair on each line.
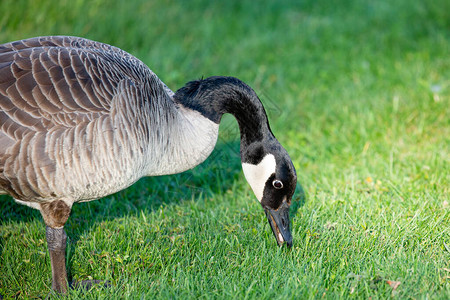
x,y
56,241
55,215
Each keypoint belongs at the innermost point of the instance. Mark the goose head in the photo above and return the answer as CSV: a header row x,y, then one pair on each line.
x,y
270,173
267,166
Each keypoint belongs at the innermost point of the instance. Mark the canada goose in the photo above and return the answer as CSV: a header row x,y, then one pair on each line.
x,y
80,120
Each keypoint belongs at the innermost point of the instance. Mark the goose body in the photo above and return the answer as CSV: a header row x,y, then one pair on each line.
x,y
77,112
80,120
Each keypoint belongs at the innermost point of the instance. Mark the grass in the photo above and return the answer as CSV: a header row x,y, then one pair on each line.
x,y
356,91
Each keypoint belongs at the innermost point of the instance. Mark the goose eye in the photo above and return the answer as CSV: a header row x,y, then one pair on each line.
x,y
277,184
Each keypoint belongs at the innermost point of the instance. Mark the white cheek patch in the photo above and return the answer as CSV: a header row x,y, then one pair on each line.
x,y
257,175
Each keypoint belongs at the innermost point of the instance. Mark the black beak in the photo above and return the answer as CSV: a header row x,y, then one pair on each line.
x,y
279,221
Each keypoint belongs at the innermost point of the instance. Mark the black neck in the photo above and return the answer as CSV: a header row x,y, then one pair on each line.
x,y
215,96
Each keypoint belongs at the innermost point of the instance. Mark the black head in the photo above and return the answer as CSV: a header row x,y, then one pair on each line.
x,y
271,174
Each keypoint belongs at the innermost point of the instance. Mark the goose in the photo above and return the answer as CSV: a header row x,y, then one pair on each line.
x,y
80,120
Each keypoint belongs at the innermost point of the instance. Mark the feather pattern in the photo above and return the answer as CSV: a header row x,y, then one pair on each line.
x,y
74,112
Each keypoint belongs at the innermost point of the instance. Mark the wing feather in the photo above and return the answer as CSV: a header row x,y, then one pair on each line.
x,y
60,81
58,95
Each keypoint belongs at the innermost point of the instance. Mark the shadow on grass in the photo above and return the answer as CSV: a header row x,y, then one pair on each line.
x,y
212,177
298,200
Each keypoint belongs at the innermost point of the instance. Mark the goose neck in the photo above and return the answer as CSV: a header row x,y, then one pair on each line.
x,y
215,96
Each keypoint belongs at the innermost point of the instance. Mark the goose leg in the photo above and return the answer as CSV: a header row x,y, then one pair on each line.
x,y
55,215
56,241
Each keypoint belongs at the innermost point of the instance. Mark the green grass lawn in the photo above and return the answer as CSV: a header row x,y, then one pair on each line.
x,y
356,91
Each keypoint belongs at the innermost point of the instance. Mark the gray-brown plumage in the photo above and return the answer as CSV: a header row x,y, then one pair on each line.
x,y
80,120
74,112
53,99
